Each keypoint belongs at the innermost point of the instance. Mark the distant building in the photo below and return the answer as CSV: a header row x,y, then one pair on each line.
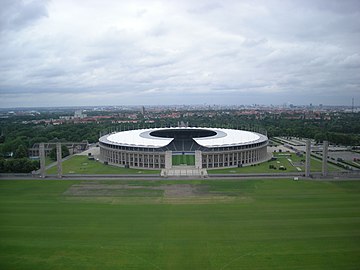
x,y
79,115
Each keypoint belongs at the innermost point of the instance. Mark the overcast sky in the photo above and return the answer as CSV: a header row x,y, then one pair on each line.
x,y
117,52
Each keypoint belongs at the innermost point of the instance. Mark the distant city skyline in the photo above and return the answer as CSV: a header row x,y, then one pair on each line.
x,y
143,52
192,105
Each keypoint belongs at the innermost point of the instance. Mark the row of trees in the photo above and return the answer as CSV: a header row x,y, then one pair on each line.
x,y
341,129
18,165
17,134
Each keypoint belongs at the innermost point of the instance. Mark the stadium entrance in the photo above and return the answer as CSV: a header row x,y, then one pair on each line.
x,y
183,158
183,163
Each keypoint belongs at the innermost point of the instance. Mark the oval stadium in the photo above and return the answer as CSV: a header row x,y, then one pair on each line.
x,y
199,148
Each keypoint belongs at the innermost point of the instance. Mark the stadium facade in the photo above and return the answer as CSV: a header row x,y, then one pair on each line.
x,y
210,147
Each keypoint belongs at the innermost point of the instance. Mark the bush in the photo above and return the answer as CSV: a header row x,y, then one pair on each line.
x,y
18,165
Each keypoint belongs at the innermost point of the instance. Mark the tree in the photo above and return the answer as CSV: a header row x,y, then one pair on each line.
x,y
18,165
64,152
319,137
21,152
2,165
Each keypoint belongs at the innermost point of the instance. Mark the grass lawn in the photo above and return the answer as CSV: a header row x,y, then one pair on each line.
x,y
282,160
183,160
81,165
271,224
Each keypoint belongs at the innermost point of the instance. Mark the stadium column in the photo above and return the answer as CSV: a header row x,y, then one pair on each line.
x,y
324,161
307,162
198,159
168,159
42,159
58,158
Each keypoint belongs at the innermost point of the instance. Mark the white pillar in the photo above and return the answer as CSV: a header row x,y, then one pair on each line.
x,y
168,159
324,161
307,164
42,159
198,159
59,159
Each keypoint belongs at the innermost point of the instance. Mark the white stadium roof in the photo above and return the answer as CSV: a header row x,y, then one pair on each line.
x,y
222,138
231,137
134,138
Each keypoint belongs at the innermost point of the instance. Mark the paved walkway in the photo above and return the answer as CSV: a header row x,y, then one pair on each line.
x,y
94,151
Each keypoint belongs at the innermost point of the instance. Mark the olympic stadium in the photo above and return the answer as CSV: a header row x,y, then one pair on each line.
x,y
200,148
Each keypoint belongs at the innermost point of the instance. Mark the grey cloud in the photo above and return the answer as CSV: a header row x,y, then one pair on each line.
x,y
50,72
16,14
159,30
335,6
206,7
181,51
352,61
254,42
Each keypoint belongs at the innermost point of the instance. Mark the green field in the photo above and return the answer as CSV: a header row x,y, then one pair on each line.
x,y
254,224
183,160
81,165
282,160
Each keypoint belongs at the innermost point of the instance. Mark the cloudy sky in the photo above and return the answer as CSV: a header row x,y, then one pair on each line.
x,y
122,52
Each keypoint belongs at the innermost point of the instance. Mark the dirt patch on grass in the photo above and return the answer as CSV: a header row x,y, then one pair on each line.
x,y
105,190
184,190
124,193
